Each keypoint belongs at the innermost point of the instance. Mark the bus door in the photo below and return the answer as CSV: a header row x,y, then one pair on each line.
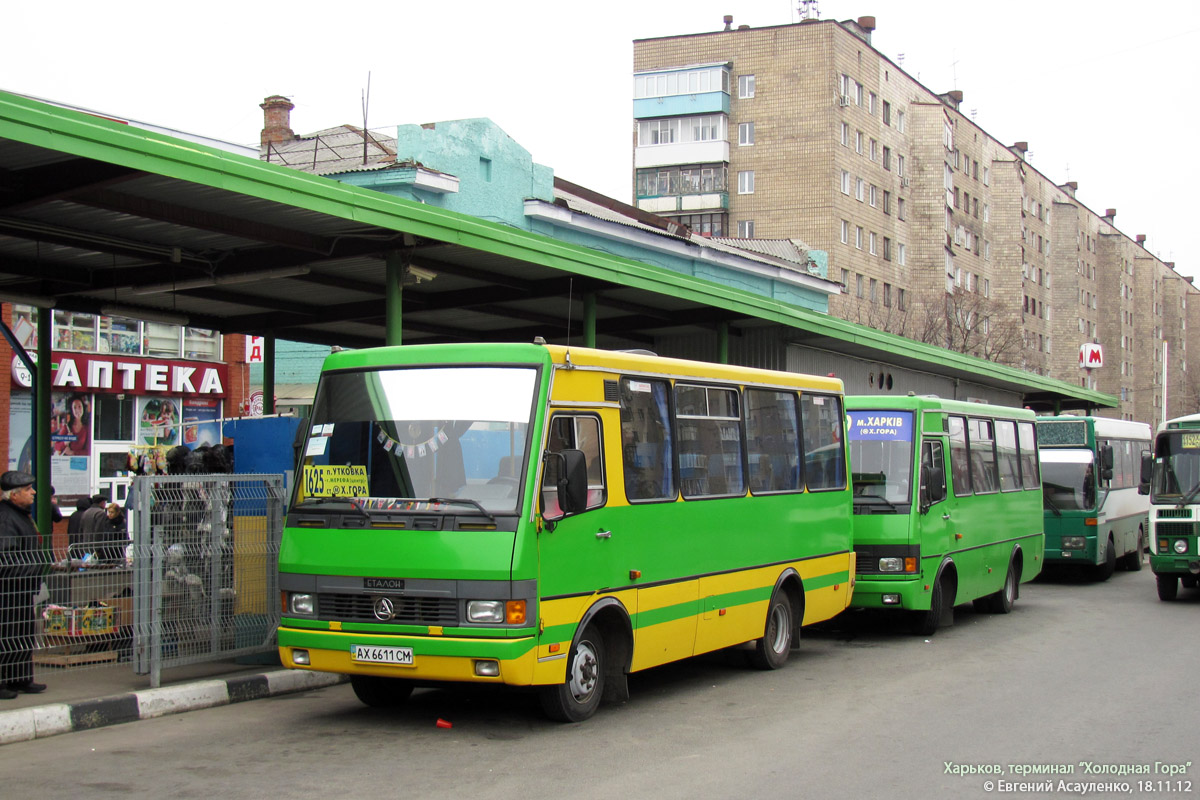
x,y
935,523
582,554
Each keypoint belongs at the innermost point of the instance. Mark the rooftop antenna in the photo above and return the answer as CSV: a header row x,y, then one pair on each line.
x,y
366,102
900,59
809,10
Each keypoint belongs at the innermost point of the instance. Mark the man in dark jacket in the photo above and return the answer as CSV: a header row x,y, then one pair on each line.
x,y
75,521
20,567
93,524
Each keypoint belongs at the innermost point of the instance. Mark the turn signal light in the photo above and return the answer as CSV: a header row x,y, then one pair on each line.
x,y
515,612
910,564
1091,522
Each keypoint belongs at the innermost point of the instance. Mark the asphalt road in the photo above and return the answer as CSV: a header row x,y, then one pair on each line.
x,y
1078,673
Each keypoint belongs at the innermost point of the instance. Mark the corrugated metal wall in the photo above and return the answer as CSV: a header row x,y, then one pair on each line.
x,y
769,348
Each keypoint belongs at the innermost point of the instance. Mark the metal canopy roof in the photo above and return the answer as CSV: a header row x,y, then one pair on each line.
x,y
97,216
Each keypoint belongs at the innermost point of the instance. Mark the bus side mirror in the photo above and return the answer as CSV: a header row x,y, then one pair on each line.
x,y
924,501
572,481
1106,457
1144,478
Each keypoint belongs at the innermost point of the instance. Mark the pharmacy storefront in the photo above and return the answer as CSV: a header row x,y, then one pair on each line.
x,y
113,417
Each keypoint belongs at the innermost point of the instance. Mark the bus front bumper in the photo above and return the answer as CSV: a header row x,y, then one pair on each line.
x,y
907,592
483,660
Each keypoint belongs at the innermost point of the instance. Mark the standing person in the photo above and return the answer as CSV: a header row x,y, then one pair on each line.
x,y
116,538
75,521
93,525
56,514
20,568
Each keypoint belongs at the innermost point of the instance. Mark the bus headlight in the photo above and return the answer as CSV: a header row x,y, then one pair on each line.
x,y
498,612
891,565
1073,543
303,604
1180,546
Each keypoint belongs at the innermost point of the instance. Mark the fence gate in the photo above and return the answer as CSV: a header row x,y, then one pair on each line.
x,y
205,583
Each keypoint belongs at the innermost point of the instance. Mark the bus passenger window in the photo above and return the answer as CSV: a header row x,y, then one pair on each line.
x,y
646,446
824,451
960,470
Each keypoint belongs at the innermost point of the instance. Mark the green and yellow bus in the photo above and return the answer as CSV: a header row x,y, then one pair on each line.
x,y
947,505
1174,476
1095,508
540,516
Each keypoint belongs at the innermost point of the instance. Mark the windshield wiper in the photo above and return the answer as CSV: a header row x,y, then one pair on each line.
x,y
1048,503
1190,496
880,498
316,501
464,501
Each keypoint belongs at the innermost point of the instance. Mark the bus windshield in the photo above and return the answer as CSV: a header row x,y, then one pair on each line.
x,y
1176,467
397,439
1068,479
881,450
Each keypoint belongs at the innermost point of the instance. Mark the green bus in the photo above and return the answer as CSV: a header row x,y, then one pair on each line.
x,y
557,518
1174,476
947,505
1095,505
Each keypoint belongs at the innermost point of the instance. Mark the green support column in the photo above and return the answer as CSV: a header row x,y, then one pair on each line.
x,y
589,319
268,373
394,296
723,343
41,421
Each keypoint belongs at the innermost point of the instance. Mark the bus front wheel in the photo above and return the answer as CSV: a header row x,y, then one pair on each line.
x,y
926,623
771,651
381,692
1105,570
1002,601
578,697
1168,586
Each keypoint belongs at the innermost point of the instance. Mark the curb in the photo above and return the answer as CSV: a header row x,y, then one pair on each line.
x,y
38,722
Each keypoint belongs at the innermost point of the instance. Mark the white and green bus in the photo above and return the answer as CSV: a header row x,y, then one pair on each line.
x,y
947,505
1091,489
1175,505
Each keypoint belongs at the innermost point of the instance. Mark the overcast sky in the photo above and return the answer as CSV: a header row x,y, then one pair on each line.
x,y
1104,92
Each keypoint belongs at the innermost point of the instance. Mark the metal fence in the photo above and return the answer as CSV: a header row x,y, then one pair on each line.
x,y
193,580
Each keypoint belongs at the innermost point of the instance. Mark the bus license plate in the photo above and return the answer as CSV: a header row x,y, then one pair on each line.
x,y
383,655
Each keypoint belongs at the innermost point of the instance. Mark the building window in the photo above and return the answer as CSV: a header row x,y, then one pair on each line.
x,y
874,150
845,278
745,229
704,224
858,237
871,102
872,194
887,113
858,286
845,182
900,121
745,86
887,249
887,202
872,243
845,135
746,182
874,284
900,166
694,81
858,142
901,303
845,232
707,128
746,133
860,189
887,157
900,256
887,295
900,207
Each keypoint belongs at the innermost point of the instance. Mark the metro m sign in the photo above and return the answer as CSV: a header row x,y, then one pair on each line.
x,y
1091,355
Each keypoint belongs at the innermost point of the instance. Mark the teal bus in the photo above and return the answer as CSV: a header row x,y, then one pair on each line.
x,y
1174,476
947,505
538,516
1095,505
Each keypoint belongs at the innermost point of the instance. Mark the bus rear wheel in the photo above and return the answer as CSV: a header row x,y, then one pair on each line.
x,y
578,697
381,692
1168,586
1133,561
771,651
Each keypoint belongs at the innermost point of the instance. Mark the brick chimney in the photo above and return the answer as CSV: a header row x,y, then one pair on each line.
x,y
952,98
277,121
1140,239
1110,214
1070,187
1020,148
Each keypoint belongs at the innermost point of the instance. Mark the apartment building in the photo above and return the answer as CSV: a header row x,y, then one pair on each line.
x,y
936,229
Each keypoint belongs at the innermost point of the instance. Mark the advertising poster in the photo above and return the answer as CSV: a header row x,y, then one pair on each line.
x,y
20,445
158,421
70,424
201,423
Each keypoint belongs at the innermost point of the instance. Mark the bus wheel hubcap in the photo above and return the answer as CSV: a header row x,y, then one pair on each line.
x,y
585,673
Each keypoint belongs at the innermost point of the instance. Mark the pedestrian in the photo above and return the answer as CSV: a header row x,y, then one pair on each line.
x,y
20,570
56,514
75,521
93,526
116,538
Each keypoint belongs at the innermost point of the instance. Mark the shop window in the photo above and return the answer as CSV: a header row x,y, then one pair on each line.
x,y
119,335
161,340
114,417
74,331
201,343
